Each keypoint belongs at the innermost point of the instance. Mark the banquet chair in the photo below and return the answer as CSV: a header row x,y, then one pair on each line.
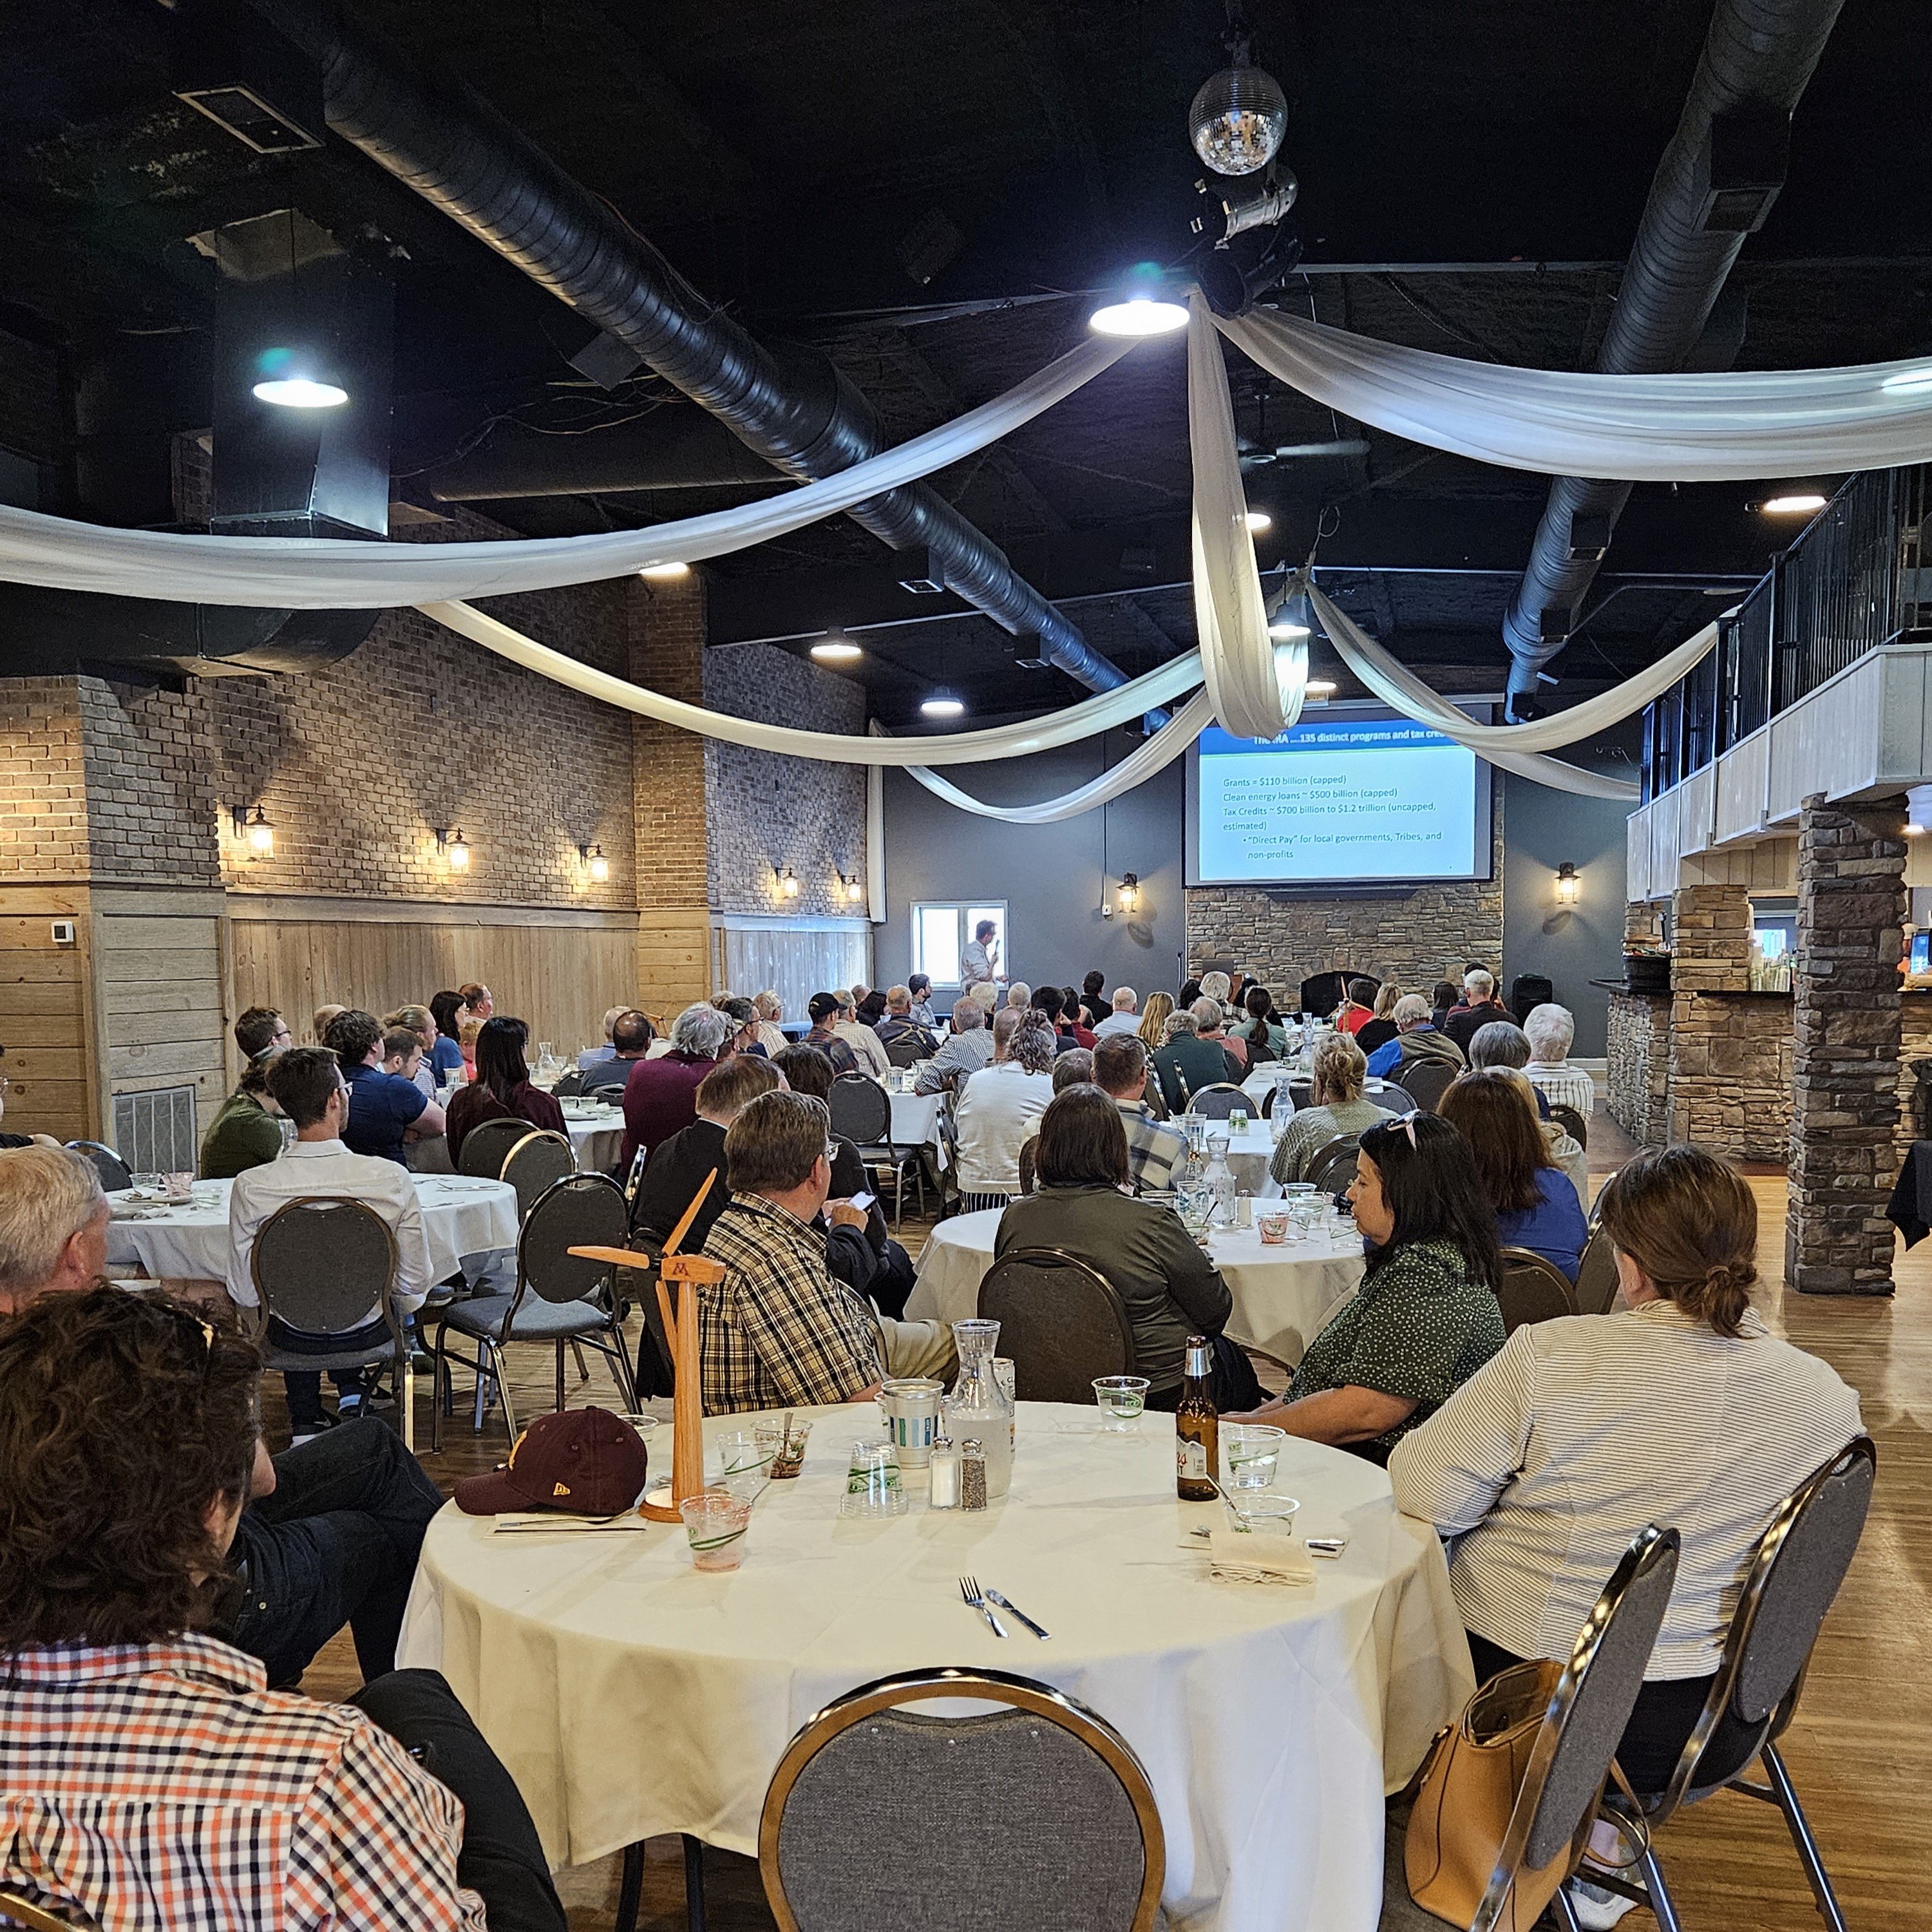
x,y
1155,1099
536,1164
1332,1165
1569,1760
1571,1121
1802,1560
559,1297
1217,1102
38,1918
1392,1095
1533,1290
982,1856
1029,1162
109,1165
487,1145
1427,1081
1595,1209
1061,1323
861,1113
569,1085
1597,1277
319,1265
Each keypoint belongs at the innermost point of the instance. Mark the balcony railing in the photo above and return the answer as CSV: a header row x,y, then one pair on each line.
x,y
1856,579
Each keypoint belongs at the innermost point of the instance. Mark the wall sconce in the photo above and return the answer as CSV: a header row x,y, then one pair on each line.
x,y
1129,896
455,848
595,863
855,889
787,882
256,831
1569,885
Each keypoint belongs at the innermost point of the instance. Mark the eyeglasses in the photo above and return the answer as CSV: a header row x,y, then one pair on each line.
x,y
831,1149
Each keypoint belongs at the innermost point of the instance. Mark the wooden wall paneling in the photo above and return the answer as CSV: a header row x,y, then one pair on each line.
x,y
44,1013
161,1019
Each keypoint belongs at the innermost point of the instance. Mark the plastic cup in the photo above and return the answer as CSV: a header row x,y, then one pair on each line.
x,y
785,1454
1122,1398
1262,1509
1274,1230
741,1464
1252,1450
873,1485
715,1521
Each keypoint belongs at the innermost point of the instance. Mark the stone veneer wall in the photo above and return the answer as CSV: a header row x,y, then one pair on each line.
x,y
1845,1081
1415,937
1638,1074
1914,1043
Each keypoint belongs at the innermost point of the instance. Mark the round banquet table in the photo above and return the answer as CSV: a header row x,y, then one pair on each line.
x,y
1282,1295
596,1138
915,1120
629,1695
460,1216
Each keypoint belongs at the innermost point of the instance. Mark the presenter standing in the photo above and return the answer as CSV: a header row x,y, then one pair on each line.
x,y
979,962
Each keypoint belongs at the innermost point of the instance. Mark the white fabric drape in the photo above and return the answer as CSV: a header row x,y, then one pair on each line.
x,y
327,573
1734,426
1118,706
1414,699
1151,755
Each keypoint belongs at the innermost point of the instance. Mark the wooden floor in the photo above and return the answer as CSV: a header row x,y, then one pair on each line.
x,y
1860,1752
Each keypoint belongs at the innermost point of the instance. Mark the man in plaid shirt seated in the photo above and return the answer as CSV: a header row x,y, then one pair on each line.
x,y
149,1780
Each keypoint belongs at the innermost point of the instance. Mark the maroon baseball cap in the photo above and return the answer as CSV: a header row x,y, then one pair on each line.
x,y
583,1462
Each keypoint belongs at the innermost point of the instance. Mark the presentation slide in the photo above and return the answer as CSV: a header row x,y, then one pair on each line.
x,y
1337,800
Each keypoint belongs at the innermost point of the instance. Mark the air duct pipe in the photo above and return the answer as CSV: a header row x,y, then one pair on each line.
x,y
793,408
1714,186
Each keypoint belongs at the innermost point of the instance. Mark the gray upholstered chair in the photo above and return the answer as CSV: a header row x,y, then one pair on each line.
x,y
109,1165
861,1113
1392,1095
1427,1081
320,1264
1047,1817
1572,1122
536,1164
559,1298
1800,1562
1217,1102
1596,1277
1332,1165
1532,1290
1061,1323
487,1145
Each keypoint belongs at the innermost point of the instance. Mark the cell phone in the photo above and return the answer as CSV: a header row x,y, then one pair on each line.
x,y
863,1202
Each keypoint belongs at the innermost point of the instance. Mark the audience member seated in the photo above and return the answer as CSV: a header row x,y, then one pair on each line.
x,y
1215,986
778,1332
1356,1009
1081,1206
1442,999
244,1133
445,1053
1418,1040
747,1036
1073,1068
402,1055
477,1004
1154,1017
1536,1205
1551,1030
1381,1030
631,1038
869,1054
1478,1007
1019,996
595,1056
501,1089
1187,1062
384,1109
1210,1028
1050,1003
898,1030
859,1251
1336,1107
966,1049
996,1114
468,1026
420,1023
1425,1318
307,1084
53,1224
1155,1148
770,1010
919,987
988,995
825,1009
677,1168
1501,1043
1681,1407
1125,1017
661,1095
148,1771
869,1006
1073,1018
1094,1006
325,1017
1189,992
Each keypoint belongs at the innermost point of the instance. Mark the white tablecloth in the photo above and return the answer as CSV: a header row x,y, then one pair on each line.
x,y
1281,1295
629,1696
459,1217
915,1120
597,1138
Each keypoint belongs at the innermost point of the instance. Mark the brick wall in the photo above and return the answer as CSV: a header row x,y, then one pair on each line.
x,y
43,778
150,785
767,810
1413,937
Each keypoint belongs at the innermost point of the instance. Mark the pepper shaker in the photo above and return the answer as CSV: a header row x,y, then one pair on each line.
x,y
972,1475
943,1491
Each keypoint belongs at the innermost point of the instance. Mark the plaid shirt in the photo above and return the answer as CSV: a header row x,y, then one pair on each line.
x,y
1154,1148
778,1332
163,1788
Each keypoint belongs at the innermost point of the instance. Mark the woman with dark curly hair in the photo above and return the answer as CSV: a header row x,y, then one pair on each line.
x,y
142,1757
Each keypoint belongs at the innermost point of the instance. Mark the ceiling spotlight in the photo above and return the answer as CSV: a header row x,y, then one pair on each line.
x,y
1258,520
285,379
940,705
1908,382
1797,503
665,573
1142,305
1238,118
836,650
1320,687
1286,630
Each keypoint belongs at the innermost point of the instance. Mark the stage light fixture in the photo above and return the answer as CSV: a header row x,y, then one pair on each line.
x,y
1319,687
1286,630
1142,304
1258,520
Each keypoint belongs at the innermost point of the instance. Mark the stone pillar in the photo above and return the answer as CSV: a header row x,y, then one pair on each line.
x,y
667,655
1643,923
1844,1121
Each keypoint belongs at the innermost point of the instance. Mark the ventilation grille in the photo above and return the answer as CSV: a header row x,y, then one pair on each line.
x,y
154,1132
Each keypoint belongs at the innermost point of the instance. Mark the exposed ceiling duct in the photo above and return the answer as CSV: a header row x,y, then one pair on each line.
x,y
1714,186
792,407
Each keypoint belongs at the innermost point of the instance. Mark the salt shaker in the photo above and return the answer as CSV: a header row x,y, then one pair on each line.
x,y
972,1475
943,1490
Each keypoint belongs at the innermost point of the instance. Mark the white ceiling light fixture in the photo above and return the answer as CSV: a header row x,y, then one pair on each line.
x,y
1794,503
1142,305
665,573
1258,520
836,650
942,704
1286,630
300,392
1320,687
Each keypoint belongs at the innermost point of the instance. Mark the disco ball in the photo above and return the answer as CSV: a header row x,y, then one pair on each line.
x,y
1237,120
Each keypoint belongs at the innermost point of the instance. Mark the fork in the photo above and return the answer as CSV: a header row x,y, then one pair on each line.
x,y
970,1590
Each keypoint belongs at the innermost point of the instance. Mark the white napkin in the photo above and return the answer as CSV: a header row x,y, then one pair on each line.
x,y
1254,1556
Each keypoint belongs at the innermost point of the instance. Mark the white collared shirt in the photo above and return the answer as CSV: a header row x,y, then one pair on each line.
x,y
1117,1023
997,1114
1564,1086
310,1168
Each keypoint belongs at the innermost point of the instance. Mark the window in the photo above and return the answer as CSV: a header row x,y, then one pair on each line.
x,y
940,932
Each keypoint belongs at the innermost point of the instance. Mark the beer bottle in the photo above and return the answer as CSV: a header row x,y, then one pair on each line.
x,y
1197,1426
